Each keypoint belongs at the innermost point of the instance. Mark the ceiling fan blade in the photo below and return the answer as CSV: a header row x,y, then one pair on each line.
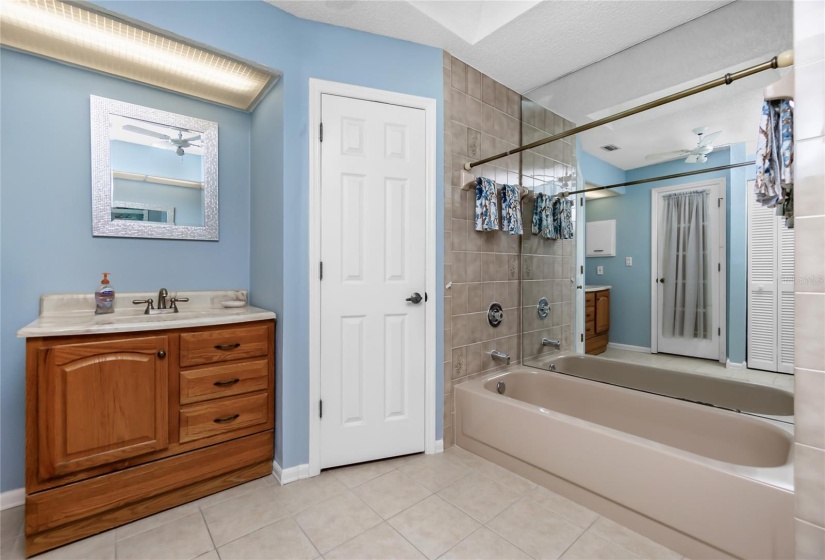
x,y
152,133
193,138
708,139
665,155
693,158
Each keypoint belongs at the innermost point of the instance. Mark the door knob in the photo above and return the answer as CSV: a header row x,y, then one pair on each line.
x,y
415,298
662,279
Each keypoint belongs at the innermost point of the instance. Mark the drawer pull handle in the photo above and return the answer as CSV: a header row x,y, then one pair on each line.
x,y
226,383
227,346
226,419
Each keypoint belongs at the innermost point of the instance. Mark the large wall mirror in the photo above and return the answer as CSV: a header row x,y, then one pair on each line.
x,y
154,173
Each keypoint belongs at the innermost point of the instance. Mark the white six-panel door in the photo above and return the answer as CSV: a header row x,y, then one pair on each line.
x,y
373,217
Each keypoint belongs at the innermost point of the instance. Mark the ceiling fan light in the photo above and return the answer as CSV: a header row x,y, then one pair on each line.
x,y
179,151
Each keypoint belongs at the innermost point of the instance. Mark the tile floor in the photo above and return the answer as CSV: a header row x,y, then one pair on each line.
x,y
705,367
453,505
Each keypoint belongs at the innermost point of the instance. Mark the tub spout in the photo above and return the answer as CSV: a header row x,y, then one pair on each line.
x,y
502,356
553,343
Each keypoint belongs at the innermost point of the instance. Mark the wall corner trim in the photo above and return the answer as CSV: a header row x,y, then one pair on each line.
x,y
735,366
631,348
291,474
12,498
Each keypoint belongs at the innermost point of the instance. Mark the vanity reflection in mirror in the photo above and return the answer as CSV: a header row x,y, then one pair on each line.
x,y
154,173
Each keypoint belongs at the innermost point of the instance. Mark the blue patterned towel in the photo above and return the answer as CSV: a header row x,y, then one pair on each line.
x,y
543,217
486,205
774,158
565,224
511,209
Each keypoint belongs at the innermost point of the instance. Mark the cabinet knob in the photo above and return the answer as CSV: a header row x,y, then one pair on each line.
x,y
161,354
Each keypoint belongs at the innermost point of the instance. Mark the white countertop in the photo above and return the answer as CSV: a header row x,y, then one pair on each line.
x,y
595,288
71,314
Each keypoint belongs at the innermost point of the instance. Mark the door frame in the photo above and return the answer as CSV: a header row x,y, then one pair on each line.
x,y
317,88
719,191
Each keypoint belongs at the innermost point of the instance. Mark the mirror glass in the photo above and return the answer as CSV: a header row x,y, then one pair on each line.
x,y
155,173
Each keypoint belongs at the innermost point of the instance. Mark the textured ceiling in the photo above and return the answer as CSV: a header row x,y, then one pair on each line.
x,y
588,59
544,43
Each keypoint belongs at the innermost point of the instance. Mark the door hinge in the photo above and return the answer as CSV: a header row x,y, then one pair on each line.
x,y
322,132
321,271
719,331
718,202
581,269
719,267
425,297
582,337
320,409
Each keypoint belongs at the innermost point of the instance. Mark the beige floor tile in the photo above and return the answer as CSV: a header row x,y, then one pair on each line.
x,y
156,520
357,475
281,540
591,547
15,549
392,493
575,513
11,523
239,516
630,540
305,493
537,531
484,545
236,491
181,539
508,479
433,526
99,547
336,521
382,542
435,471
211,555
479,496
398,462
468,459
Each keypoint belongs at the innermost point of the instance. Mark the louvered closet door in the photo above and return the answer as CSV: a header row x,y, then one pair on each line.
x,y
785,261
770,289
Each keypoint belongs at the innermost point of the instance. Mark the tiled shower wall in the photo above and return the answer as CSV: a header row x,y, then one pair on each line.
x,y
547,265
482,118
809,285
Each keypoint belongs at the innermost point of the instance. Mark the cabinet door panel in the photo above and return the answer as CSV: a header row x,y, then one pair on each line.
x,y
602,312
101,402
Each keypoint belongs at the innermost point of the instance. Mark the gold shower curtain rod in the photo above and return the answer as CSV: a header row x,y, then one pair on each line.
x,y
565,194
782,60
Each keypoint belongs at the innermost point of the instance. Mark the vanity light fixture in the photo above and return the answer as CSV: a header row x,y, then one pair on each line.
x,y
85,36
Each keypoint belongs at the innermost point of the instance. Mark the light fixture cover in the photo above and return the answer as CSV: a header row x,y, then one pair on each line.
x,y
83,37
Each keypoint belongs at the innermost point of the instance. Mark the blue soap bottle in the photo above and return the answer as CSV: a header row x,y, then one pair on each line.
x,y
105,297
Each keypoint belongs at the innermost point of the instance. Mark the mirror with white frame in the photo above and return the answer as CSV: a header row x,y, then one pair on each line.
x,y
154,173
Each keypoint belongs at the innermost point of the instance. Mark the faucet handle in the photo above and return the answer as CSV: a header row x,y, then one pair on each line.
x,y
173,302
149,304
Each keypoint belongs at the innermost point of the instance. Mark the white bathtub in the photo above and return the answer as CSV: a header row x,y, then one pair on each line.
x,y
706,482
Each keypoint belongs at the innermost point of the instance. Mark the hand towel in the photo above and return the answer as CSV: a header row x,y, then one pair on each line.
x,y
565,219
486,205
511,209
543,217
774,158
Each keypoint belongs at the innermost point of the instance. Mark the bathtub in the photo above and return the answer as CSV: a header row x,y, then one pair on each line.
x,y
706,482
723,393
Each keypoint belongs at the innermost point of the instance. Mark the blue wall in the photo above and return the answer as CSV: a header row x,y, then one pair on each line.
x,y
630,304
598,172
47,243
264,187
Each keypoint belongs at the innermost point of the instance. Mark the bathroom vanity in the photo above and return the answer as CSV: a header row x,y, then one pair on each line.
x,y
596,318
130,414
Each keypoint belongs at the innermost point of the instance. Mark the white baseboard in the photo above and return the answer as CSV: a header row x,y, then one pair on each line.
x,y
628,347
439,446
285,476
12,498
735,366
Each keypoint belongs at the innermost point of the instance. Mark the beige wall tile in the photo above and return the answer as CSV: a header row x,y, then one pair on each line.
x,y
459,75
809,394
809,484
809,232
809,186
810,541
809,111
809,323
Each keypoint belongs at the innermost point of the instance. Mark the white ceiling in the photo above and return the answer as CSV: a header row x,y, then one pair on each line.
x,y
588,59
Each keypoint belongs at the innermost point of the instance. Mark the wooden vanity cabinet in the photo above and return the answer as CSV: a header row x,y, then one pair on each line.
x,y
122,426
596,321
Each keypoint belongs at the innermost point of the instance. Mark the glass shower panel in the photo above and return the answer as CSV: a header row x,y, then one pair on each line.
x,y
547,265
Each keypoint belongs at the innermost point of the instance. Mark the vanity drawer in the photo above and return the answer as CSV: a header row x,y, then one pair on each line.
x,y
589,328
590,299
216,417
223,345
224,380
589,313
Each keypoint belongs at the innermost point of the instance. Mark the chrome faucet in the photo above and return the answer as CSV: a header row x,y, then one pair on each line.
x,y
162,293
503,356
554,343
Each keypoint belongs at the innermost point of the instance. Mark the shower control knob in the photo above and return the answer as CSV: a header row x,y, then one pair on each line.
x,y
415,298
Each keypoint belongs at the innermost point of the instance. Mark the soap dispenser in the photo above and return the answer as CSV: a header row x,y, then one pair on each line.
x,y
105,297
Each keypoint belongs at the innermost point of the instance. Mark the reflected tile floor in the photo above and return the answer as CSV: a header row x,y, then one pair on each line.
x,y
450,505
704,367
